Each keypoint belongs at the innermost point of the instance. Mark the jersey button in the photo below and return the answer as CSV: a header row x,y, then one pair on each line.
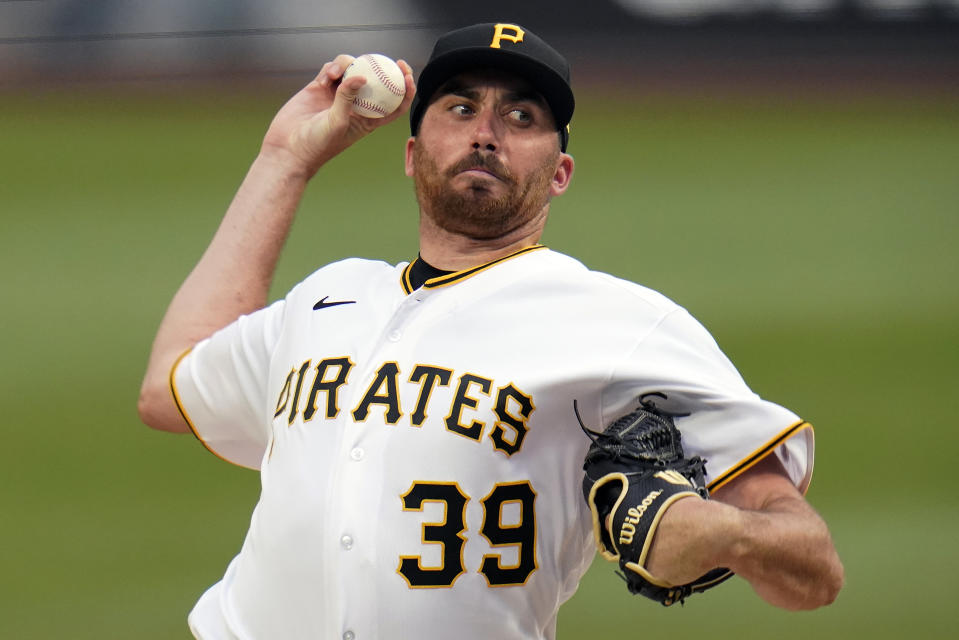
x,y
395,335
357,454
346,542
348,635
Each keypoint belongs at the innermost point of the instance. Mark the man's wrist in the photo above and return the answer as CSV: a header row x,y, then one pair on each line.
x,y
285,164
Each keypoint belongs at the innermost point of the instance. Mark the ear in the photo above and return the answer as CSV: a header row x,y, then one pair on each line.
x,y
563,175
410,143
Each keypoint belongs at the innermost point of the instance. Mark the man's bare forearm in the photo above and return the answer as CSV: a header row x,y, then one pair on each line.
x,y
761,528
234,274
232,277
786,553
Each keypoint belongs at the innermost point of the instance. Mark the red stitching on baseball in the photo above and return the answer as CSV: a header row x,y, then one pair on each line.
x,y
384,78
370,106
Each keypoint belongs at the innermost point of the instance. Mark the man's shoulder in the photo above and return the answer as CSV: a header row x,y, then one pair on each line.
x,y
349,273
355,268
358,266
590,282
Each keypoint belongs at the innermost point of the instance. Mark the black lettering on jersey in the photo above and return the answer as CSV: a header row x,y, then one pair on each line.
x,y
507,419
390,398
430,376
284,395
330,387
462,400
294,405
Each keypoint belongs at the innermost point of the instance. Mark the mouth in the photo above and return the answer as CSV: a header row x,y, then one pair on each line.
x,y
481,172
481,167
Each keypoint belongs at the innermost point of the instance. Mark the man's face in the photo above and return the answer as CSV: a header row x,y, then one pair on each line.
x,y
486,159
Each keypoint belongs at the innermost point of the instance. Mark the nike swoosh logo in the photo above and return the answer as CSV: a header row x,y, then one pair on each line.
x,y
323,304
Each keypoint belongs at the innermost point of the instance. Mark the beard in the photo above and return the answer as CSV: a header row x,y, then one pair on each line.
x,y
473,210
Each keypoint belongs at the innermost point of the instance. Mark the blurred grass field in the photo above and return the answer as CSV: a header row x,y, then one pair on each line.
x,y
815,238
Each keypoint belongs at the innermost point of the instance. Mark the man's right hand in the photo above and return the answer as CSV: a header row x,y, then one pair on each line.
x,y
318,122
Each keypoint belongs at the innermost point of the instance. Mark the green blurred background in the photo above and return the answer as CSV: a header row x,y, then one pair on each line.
x,y
814,234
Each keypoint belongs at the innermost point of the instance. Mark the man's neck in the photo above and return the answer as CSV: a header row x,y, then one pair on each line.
x,y
454,252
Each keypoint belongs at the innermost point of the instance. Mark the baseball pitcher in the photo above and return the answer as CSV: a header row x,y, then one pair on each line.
x,y
445,443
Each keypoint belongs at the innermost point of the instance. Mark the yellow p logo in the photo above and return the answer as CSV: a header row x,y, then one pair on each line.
x,y
500,34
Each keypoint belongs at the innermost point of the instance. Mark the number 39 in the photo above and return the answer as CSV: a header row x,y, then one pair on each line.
x,y
449,534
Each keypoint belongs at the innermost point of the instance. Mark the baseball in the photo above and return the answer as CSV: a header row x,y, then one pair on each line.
x,y
384,88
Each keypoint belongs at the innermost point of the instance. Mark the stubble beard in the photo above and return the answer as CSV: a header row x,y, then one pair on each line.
x,y
474,211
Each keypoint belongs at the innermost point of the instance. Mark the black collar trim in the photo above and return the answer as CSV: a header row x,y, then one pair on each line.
x,y
408,280
420,271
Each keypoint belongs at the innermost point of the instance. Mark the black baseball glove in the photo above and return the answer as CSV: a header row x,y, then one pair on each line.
x,y
635,470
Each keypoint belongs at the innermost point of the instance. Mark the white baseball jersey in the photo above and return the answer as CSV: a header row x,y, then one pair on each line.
x,y
421,462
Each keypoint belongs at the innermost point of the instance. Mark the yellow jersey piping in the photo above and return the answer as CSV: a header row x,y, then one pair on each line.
x,y
186,417
758,455
456,276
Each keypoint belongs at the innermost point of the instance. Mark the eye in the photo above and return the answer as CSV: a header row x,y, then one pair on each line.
x,y
520,115
461,109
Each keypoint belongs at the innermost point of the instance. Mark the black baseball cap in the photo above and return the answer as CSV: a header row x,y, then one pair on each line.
x,y
508,47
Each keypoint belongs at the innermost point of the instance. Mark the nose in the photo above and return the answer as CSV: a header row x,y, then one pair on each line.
x,y
485,135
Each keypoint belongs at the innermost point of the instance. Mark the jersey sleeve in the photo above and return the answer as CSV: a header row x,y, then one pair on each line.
x,y
220,386
728,424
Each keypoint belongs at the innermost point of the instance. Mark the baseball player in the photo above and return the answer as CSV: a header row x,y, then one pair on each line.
x,y
413,424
